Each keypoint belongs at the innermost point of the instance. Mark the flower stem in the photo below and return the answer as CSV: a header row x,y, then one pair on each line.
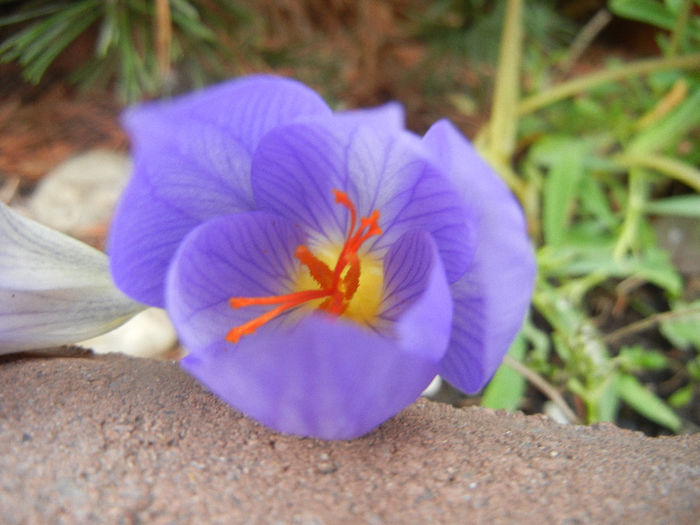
x,y
680,27
650,322
543,386
674,168
163,38
504,118
636,200
586,37
587,82
496,141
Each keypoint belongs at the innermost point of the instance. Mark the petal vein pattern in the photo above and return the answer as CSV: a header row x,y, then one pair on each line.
x,y
320,267
313,374
192,163
492,297
54,290
296,166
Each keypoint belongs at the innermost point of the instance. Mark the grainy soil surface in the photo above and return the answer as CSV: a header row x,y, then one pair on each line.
x,y
111,439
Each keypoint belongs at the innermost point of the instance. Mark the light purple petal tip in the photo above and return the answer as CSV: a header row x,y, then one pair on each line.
x,y
492,298
246,108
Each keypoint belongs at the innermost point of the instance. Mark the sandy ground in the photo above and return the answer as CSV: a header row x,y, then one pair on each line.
x,y
112,439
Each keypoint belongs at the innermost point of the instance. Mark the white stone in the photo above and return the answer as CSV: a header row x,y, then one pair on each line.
x,y
433,388
149,334
556,413
79,195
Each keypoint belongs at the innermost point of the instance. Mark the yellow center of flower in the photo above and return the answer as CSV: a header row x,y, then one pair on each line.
x,y
337,290
364,304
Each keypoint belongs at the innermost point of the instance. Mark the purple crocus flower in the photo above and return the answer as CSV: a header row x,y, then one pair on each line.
x,y
321,268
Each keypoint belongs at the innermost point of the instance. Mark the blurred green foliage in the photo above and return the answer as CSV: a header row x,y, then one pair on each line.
x,y
593,165
471,28
126,40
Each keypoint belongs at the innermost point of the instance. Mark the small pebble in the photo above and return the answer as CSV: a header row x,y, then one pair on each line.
x,y
149,334
79,195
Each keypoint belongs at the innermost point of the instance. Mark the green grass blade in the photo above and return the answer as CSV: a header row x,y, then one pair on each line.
x,y
649,11
564,157
647,403
680,206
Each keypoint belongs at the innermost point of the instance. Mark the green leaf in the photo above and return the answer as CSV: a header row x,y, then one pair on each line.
x,y
649,11
580,258
109,31
681,397
28,14
186,17
693,368
607,402
35,70
506,389
667,132
646,403
564,156
185,8
680,205
36,46
594,201
639,358
683,331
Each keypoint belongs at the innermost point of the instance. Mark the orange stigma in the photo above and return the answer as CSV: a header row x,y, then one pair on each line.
x,y
337,285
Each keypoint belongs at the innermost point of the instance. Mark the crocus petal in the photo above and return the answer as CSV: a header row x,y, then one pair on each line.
x,y
417,295
325,379
54,290
242,255
191,163
320,376
492,297
296,167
